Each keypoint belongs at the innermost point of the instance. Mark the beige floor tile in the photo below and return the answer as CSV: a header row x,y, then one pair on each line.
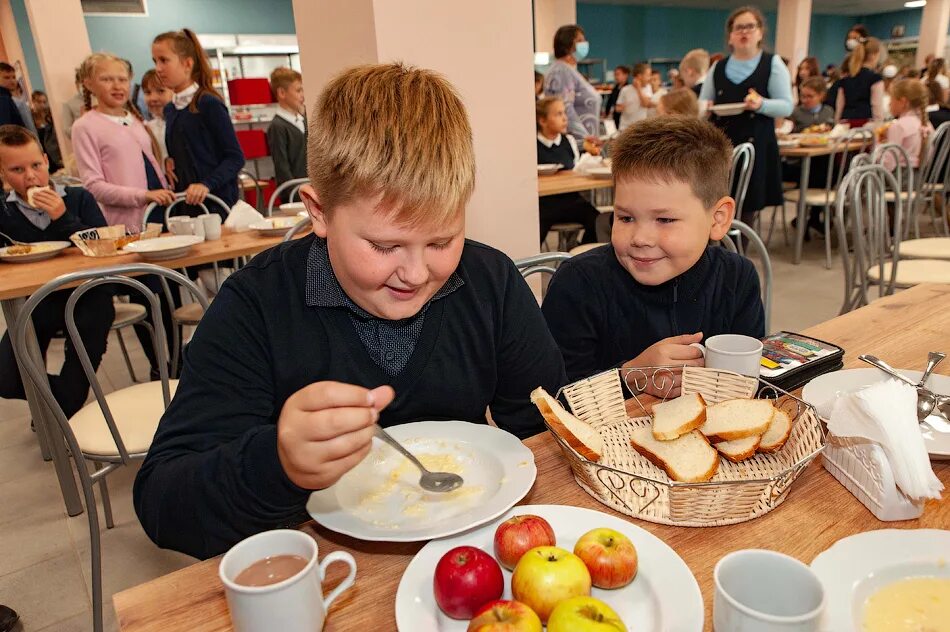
x,y
34,495
29,541
14,427
47,592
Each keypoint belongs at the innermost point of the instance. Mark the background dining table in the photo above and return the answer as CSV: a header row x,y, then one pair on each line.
x,y
569,182
817,512
19,280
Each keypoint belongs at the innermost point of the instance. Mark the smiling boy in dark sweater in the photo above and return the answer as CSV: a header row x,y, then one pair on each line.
x,y
387,314
658,286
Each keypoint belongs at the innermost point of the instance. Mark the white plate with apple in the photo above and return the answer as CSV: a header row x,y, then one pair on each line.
x,y
380,499
663,594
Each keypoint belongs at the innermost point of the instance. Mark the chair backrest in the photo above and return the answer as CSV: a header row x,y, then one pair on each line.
x,y
544,263
755,243
179,198
743,160
298,228
842,155
875,235
244,174
933,167
294,186
89,279
253,143
903,171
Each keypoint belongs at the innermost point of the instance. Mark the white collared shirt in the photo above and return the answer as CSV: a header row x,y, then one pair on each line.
x,y
556,142
292,117
183,99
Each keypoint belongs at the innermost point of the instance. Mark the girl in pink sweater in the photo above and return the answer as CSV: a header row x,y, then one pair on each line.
x,y
911,126
115,152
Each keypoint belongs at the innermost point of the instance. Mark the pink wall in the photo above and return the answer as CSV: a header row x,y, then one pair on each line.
x,y
549,15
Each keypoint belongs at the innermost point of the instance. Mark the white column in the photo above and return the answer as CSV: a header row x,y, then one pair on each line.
x,y
933,30
484,49
62,42
792,27
549,15
12,49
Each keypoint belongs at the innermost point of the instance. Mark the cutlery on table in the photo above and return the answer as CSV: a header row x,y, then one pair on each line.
x,y
13,241
926,400
430,481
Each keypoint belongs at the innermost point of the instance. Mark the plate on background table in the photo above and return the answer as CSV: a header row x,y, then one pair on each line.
x,y
292,208
663,596
824,390
274,226
728,109
161,248
39,251
380,499
854,568
549,169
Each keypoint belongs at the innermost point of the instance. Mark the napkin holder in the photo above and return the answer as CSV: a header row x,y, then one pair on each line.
x,y
862,467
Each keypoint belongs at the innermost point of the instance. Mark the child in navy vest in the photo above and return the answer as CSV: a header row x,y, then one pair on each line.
x,y
556,146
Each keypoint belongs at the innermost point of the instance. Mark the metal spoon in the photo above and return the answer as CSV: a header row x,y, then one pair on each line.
x,y
933,359
430,481
13,241
926,400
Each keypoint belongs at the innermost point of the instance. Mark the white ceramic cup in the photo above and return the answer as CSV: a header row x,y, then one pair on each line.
x,y
765,591
295,604
733,352
212,225
181,225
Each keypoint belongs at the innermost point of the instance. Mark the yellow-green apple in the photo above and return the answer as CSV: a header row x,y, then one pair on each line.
x,y
610,557
584,614
518,535
547,575
505,616
466,578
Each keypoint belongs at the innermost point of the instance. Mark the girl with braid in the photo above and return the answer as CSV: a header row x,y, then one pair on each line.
x,y
911,125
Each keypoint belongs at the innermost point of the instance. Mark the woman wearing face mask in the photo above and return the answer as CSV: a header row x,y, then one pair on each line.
x,y
762,81
581,100
858,34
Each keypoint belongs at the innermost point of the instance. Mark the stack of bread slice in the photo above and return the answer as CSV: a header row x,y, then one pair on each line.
x,y
580,435
687,436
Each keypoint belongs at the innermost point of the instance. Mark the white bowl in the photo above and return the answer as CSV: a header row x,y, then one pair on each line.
x,y
548,169
162,248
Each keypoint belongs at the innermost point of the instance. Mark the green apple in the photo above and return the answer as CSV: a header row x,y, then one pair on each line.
x,y
546,576
584,614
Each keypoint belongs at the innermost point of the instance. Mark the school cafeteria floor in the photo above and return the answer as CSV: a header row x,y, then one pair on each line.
x,y
44,556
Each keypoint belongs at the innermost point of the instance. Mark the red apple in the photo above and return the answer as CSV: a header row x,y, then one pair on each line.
x,y
610,557
518,535
505,616
466,578
547,575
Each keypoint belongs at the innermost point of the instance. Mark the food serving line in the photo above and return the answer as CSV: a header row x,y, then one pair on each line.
x,y
817,513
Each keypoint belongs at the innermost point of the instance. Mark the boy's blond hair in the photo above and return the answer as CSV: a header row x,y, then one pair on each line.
x,y
409,141
681,101
696,59
675,148
282,78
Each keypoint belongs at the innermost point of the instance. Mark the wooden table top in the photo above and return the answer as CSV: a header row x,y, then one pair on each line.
x,y
22,279
812,151
817,512
568,182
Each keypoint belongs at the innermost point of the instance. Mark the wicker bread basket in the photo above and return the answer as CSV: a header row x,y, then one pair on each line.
x,y
629,483
108,241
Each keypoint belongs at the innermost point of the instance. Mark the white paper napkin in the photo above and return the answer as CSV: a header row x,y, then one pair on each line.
x,y
588,161
241,216
886,413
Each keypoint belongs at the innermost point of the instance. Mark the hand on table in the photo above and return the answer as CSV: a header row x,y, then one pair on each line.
x,y
162,197
675,351
196,193
50,203
325,429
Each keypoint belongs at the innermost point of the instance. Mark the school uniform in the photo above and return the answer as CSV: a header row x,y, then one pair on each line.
x,y
287,142
9,112
94,311
802,117
564,207
612,101
213,477
601,316
857,96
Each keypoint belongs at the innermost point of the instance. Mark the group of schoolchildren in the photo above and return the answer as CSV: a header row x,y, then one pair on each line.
x,y
126,163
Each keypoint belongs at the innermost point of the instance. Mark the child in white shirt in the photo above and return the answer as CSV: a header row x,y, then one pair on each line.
x,y
635,101
156,96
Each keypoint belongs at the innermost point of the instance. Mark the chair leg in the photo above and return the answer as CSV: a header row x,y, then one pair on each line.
x,y
827,237
95,542
125,355
104,492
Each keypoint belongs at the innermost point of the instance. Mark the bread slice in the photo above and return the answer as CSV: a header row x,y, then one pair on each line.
x,y
688,459
581,436
778,432
678,416
30,193
740,449
737,419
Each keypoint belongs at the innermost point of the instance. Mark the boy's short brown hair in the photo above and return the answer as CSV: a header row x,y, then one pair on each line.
x,y
150,80
815,84
282,78
411,143
696,59
681,101
17,136
675,148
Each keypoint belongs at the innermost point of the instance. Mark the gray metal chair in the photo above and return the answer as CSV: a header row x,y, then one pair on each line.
x,y
903,175
179,199
128,315
756,244
933,173
259,197
544,263
118,427
299,227
294,187
740,173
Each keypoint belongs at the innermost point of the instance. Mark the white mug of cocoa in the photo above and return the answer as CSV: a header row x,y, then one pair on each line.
x,y
273,582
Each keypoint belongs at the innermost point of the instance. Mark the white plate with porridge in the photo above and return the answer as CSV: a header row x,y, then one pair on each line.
x,y
380,499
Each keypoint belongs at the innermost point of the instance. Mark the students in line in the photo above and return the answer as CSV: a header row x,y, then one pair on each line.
x,y
657,287
45,131
156,97
636,100
287,132
621,77
203,152
693,69
678,102
404,318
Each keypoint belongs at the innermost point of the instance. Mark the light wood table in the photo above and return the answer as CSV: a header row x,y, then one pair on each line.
x,y
19,280
570,182
817,512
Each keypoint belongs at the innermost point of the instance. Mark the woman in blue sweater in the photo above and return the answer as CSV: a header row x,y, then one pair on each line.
x,y
203,151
